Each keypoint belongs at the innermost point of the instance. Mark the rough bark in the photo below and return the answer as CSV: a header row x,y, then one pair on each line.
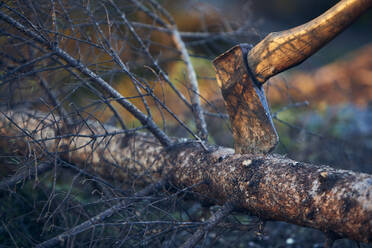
x,y
271,186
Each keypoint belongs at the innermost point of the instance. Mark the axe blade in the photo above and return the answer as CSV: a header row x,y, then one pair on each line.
x,y
246,104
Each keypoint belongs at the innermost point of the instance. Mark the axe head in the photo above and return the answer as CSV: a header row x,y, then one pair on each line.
x,y
246,104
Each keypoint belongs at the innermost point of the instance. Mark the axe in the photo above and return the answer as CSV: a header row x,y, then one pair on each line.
x,y
242,71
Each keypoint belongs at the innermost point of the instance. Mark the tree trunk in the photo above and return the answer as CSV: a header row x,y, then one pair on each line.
x,y
272,187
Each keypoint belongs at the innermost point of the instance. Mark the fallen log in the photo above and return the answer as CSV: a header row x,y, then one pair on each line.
x,y
272,187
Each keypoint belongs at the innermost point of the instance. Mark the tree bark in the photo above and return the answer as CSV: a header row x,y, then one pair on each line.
x,y
270,186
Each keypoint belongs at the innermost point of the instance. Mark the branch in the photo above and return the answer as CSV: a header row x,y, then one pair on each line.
x,y
197,110
25,174
208,225
184,35
269,186
99,217
55,102
154,61
145,120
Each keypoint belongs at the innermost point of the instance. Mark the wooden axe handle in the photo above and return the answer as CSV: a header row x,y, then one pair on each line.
x,y
282,50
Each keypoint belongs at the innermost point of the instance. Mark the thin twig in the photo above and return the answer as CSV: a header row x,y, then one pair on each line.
x,y
10,234
29,63
183,34
195,100
118,60
163,11
148,54
25,175
200,121
148,12
290,106
208,225
149,123
100,217
53,98
217,115
97,93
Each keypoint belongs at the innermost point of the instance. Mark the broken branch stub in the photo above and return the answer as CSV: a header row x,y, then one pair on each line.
x,y
245,100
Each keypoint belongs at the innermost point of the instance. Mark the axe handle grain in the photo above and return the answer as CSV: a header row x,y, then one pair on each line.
x,y
282,50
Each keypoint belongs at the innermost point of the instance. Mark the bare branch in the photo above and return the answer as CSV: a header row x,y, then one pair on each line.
x,y
60,109
60,239
150,124
195,100
25,174
213,221
184,35
148,54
